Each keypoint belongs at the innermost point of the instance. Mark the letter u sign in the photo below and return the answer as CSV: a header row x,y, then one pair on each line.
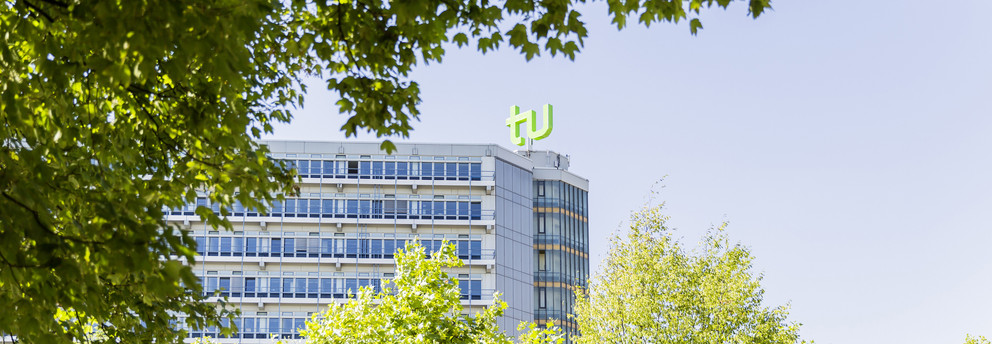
x,y
530,118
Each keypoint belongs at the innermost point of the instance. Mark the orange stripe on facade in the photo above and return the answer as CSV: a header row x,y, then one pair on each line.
x,y
559,322
562,248
555,285
553,210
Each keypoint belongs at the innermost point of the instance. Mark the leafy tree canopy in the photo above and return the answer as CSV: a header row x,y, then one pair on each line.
x,y
653,290
969,339
420,305
114,110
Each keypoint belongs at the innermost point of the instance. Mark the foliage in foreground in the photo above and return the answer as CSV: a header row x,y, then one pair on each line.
x,y
653,290
114,110
420,305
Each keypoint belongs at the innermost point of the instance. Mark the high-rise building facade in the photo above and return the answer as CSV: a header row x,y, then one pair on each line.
x,y
561,239
356,206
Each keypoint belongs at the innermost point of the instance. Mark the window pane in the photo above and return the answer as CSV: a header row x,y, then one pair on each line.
x,y
426,169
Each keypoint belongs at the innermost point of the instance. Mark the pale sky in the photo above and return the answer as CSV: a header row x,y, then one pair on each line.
x,y
849,145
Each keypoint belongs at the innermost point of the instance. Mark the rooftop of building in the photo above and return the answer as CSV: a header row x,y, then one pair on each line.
x,y
544,164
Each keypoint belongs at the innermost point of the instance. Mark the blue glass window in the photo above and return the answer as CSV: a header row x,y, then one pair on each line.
x,y
238,246
388,248
364,169
251,246
463,172
351,285
201,245
225,285
287,287
249,325
376,209
328,208
476,249
476,210
438,170
298,324
315,208
225,246
249,285
301,287
290,207
304,167
351,248
376,249
451,209
274,325
425,208
364,249
276,247
426,170
377,169
326,247
463,252
451,170
326,287
463,210
328,168
289,247
213,246
402,170
352,208
312,286
439,209
476,287
390,169
211,285
463,289
476,171
364,209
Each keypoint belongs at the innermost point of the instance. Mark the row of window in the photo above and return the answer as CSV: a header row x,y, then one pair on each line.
x,y
401,170
226,246
353,208
311,288
572,234
263,328
558,194
562,221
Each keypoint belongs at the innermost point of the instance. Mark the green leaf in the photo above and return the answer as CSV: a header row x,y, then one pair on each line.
x,y
695,25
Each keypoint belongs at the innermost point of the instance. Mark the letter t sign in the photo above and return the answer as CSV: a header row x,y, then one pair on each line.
x,y
516,119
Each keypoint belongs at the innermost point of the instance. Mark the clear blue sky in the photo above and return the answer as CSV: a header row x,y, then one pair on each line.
x,y
849,145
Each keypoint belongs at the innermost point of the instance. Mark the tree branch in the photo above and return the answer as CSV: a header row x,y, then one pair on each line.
x,y
38,10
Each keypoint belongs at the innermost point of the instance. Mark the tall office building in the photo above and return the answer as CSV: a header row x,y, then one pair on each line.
x,y
518,219
561,239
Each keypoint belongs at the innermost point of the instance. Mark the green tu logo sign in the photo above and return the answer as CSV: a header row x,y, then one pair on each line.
x,y
530,118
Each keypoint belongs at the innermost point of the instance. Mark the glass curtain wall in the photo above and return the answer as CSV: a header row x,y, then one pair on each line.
x,y
561,246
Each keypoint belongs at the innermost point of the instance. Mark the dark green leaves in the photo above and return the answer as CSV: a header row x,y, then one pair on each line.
x,y
115,110
695,25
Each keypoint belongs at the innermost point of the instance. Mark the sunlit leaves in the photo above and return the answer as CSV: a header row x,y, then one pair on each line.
x,y
969,339
112,112
420,305
654,290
